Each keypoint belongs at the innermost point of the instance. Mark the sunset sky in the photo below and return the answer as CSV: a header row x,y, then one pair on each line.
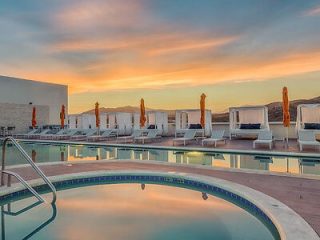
x,y
167,51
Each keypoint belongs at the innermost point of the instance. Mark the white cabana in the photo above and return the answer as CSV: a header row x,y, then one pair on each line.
x,y
240,116
184,118
87,121
308,114
116,120
156,118
73,121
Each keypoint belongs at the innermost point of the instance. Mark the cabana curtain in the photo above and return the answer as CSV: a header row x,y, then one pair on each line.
x,y
310,114
251,116
194,117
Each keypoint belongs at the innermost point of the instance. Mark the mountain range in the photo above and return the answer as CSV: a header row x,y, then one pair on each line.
x,y
275,110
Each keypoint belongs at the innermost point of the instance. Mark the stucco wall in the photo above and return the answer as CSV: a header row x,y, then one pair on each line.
x,y
20,115
19,91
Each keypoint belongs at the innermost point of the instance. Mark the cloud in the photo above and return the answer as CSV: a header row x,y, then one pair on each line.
x,y
313,11
81,15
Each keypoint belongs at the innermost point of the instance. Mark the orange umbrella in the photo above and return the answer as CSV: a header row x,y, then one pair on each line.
x,y
143,118
97,113
62,115
285,107
203,110
286,111
34,121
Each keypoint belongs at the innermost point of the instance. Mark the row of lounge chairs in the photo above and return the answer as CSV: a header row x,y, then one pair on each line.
x,y
190,135
91,135
143,136
305,138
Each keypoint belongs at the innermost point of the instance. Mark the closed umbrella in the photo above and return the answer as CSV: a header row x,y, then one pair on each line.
x,y
34,120
142,114
97,113
286,111
62,116
203,110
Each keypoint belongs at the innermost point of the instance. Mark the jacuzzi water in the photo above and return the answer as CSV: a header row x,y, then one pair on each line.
x,y
46,152
132,211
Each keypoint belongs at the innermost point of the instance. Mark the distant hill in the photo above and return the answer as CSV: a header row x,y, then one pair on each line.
x,y
275,110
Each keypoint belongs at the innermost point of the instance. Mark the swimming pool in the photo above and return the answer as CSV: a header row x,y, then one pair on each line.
x,y
55,152
137,210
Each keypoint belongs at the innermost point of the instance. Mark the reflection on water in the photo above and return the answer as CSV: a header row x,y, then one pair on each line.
x,y
125,211
54,153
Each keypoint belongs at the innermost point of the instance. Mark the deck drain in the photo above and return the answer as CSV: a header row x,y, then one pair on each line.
x,y
275,205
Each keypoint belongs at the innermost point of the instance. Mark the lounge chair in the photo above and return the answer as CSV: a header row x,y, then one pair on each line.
x,y
187,137
136,133
65,135
108,133
307,139
152,134
38,135
83,135
27,135
264,138
216,136
50,136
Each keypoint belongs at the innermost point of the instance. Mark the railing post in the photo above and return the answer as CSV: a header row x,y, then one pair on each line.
x,y
29,160
2,163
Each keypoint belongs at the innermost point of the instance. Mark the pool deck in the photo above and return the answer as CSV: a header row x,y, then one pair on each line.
x,y
234,144
299,193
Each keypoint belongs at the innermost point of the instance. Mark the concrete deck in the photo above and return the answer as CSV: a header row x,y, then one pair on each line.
x,y
300,194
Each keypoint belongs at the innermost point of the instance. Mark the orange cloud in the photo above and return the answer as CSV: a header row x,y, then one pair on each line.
x,y
148,74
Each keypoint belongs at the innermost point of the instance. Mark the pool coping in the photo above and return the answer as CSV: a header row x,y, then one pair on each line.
x,y
289,224
181,148
196,166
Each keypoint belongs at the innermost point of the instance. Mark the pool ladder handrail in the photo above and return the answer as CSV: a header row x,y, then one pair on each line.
x,y
19,178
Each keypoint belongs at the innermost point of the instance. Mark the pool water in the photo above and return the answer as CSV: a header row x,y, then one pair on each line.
x,y
132,211
63,152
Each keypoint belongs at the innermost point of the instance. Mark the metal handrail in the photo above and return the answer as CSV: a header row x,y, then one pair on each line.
x,y
29,160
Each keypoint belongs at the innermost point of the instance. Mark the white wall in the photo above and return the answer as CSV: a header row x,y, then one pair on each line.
x,y
20,91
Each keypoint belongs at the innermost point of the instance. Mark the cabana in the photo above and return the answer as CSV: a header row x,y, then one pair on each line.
x,y
87,121
155,120
82,121
248,120
190,119
308,118
73,121
117,120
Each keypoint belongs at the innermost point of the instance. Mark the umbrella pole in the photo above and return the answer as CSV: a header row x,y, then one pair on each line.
x,y
287,137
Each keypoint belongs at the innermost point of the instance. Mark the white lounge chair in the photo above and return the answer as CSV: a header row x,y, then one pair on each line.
x,y
49,136
307,139
264,138
27,135
216,136
187,137
38,135
66,134
136,133
152,135
83,135
107,133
